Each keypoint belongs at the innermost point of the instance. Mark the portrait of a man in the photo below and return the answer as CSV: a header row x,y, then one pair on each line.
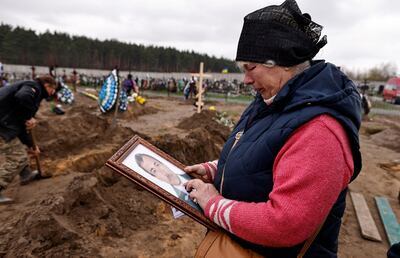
x,y
159,170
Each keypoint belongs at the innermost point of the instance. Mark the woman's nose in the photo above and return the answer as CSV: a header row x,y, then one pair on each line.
x,y
247,79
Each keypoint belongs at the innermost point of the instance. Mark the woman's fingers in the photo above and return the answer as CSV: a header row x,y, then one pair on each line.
x,y
201,192
193,184
190,169
196,169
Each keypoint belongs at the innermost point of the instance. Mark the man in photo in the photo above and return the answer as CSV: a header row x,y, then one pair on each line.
x,y
160,171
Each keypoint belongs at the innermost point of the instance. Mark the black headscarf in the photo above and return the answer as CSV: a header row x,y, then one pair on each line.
x,y
280,33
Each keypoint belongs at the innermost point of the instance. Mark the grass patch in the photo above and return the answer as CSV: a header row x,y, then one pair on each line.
x,y
385,105
231,97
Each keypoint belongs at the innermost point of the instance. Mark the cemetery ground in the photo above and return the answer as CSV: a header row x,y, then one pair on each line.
x,y
87,210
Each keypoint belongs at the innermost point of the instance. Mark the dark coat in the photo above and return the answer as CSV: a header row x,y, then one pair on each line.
x,y
18,103
394,251
321,89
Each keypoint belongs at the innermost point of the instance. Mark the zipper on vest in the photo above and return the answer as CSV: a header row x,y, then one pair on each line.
x,y
237,138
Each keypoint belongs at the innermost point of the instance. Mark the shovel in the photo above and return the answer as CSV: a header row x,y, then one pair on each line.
x,y
39,170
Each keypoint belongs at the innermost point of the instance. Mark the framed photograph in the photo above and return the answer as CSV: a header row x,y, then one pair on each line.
x,y
156,171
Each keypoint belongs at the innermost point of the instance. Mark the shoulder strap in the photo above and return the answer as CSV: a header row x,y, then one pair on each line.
x,y
206,243
310,240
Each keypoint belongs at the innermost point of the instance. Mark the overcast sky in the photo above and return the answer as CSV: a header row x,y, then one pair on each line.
x,y
361,33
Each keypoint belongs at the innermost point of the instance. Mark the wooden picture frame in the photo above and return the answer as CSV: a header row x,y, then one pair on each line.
x,y
141,162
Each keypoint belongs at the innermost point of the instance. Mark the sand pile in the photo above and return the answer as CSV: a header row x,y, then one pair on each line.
x,y
203,142
383,132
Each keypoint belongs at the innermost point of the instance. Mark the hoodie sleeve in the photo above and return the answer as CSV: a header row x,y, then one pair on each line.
x,y
25,109
211,169
25,100
26,139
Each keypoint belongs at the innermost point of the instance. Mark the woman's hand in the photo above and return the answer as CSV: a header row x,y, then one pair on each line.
x,y
198,171
201,192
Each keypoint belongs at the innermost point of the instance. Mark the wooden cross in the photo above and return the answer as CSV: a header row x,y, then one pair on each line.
x,y
114,120
199,95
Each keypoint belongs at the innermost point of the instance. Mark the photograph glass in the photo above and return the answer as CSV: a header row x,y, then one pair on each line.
x,y
160,174
159,171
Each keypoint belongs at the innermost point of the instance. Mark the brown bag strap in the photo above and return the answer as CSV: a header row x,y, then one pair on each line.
x,y
309,241
206,243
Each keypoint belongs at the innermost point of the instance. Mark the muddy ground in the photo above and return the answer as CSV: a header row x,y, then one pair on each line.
x,y
87,210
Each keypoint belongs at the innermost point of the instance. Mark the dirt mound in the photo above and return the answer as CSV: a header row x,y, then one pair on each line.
x,y
68,134
206,120
389,138
137,110
392,166
134,111
203,141
46,237
199,146
90,218
82,139
206,117
383,132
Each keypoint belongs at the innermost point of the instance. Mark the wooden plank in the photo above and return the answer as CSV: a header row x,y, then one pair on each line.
x,y
364,217
90,95
389,220
200,88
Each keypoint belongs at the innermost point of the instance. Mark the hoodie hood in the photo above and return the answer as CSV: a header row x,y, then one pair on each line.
x,y
323,84
44,94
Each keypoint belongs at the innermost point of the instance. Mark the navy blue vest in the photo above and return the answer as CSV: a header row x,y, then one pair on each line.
x,y
321,89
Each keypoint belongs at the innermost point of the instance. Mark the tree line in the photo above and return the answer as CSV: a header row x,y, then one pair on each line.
x,y
381,72
24,46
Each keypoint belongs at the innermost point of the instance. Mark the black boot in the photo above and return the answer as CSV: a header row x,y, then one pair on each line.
x,y
5,200
27,175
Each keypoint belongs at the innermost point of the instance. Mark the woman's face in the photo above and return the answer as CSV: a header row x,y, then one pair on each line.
x,y
266,80
159,170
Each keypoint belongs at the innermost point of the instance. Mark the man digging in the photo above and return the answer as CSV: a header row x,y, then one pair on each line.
x,y
18,106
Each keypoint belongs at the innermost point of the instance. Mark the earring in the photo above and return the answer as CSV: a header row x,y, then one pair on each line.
x,y
287,68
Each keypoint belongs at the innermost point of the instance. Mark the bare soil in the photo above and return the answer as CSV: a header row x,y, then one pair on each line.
x,y
87,210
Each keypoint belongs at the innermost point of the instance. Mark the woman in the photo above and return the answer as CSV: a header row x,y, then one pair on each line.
x,y
285,169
